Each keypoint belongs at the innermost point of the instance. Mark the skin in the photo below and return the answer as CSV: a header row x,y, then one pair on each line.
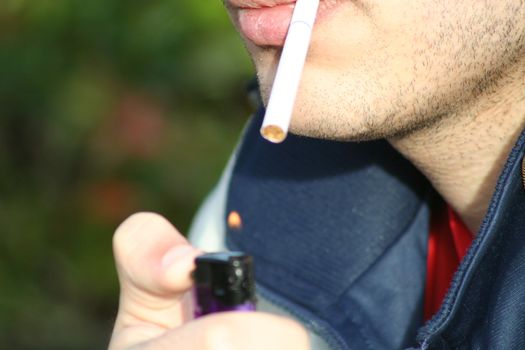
x,y
154,262
431,76
443,81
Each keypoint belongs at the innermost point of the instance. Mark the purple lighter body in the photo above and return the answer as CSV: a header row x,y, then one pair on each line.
x,y
223,282
214,306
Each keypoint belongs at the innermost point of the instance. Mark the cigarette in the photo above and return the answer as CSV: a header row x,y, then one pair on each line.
x,y
286,84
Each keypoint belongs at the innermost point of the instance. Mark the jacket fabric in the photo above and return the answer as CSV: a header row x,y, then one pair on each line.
x,y
338,232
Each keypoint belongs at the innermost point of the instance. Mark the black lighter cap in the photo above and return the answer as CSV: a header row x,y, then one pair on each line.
x,y
227,275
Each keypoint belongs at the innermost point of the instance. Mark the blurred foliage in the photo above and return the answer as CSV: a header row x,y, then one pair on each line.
x,y
107,107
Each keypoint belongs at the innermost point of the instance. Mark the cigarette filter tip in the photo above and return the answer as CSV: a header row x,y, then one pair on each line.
x,y
273,133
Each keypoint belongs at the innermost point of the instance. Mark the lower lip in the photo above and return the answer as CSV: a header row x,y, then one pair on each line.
x,y
266,26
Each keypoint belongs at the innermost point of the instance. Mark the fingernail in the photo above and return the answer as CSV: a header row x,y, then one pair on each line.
x,y
176,253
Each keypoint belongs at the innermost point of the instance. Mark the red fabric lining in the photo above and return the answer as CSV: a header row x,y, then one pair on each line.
x,y
448,242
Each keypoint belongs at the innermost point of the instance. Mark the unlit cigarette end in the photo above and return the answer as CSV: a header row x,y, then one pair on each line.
x,y
273,133
286,83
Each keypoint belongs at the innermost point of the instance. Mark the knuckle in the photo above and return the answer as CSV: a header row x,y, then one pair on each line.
x,y
297,330
219,336
288,330
293,325
241,331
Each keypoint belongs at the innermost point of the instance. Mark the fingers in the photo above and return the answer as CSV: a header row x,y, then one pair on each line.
x,y
234,331
154,262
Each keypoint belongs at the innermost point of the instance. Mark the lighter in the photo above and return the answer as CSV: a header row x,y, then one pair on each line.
x,y
224,282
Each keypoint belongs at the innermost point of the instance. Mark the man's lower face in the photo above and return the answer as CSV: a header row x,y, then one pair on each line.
x,y
382,67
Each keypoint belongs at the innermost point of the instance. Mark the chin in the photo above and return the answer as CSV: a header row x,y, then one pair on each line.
x,y
319,125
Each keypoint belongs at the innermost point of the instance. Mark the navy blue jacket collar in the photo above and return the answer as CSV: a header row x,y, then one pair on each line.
x,y
339,233
485,307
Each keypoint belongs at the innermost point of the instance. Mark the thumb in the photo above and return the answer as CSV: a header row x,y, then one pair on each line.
x,y
154,262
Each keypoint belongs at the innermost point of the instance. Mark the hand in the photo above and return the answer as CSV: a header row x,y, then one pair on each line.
x,y
154,263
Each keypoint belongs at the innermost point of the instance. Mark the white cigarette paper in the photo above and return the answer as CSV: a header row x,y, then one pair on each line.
x,y
286,84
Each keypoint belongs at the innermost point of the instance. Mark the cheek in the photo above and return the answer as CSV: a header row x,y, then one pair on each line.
x,y
342,38
406,42
385,39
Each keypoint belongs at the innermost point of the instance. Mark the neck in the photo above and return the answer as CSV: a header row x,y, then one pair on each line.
x,y
463,154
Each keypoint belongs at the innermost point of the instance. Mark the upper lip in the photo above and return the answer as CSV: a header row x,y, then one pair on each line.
x,y
254,4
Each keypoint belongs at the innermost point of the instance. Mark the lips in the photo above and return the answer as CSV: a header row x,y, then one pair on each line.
x,y
258,3
266,26
266,22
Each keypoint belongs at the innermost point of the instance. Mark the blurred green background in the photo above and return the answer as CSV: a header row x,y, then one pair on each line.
x,y
107,107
